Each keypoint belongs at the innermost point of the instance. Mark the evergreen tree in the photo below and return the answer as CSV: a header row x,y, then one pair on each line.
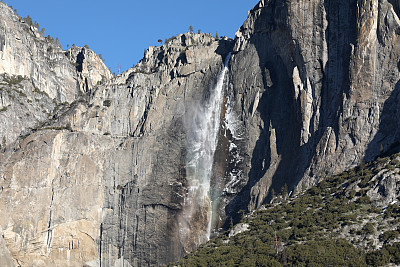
x,y
273,194
284,191
28,20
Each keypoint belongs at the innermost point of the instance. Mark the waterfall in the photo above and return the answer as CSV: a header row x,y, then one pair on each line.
x,y
202,138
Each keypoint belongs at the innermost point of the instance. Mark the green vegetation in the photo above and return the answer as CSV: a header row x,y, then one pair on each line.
x,y
58,106
58,128
324,253
21,94
389,235
28,20
13,79
37,90
309,229
388,254
102,59
107,103
167,40
369,228
102,81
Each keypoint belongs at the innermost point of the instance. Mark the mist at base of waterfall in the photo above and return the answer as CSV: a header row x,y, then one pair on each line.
x,y
203,125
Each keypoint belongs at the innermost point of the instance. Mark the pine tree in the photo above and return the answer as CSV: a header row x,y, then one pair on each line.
x,y
284,191
28,20
273,194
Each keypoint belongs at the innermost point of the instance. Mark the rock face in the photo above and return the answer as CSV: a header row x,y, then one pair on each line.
x,y
54,207
38,77
5,258
102,181
26,52
316,86
90,68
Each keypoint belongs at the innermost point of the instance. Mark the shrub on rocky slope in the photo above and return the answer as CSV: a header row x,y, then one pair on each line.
x,y
350,219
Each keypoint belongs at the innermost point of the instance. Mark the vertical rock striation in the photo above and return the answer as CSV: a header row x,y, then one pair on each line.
x,y
102,181
324,76
26,52
106,176
37,78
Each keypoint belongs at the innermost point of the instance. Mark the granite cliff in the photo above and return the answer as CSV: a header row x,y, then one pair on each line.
x,y
323,92
101,175
37,76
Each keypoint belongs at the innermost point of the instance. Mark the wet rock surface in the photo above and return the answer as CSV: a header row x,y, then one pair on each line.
x,y
101,180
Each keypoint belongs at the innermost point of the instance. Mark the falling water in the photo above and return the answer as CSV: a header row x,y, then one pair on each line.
x,y
202,139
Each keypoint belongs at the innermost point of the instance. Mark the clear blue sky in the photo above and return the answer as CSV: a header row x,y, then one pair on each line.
x,y
122,30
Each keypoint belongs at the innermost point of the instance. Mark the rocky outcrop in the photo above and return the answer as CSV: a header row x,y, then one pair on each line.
x,y
5,258
316,90
105,178
102,181
26,52
37,77
90,68
22,107
50,198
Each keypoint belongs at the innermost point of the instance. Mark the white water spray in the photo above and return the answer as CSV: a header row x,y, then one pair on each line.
x,y
202,139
